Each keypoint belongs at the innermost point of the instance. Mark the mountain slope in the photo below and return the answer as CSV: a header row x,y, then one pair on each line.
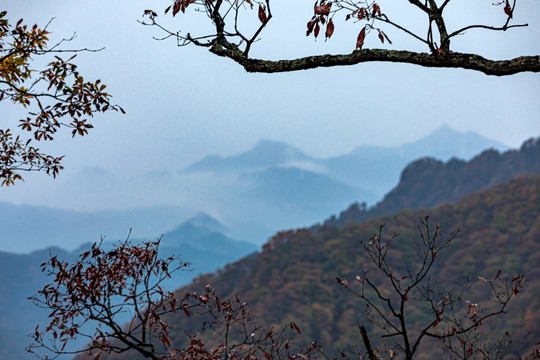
x,y
293,277
428,182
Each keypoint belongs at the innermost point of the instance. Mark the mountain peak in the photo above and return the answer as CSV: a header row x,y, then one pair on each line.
x,y
203,220
265,154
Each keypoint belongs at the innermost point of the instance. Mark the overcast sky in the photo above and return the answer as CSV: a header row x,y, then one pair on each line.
x,y
185,103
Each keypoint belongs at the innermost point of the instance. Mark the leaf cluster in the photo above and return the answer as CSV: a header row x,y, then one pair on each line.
x,y
56,97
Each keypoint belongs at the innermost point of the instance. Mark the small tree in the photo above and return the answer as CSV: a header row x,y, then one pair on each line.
x,y
233,35
51,95
114,300
392,291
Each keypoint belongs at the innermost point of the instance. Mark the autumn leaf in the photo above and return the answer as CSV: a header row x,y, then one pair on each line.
x,y
176,8
508,9
262,14
329,29
295,327
317,29
376,10
360,39
323,9
310,26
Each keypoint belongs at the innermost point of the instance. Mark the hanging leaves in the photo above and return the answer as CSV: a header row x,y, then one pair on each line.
x,y
360,39
376,10
176,7
323,9
329,29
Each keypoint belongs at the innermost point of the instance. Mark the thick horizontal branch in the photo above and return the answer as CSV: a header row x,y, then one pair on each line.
x,y
452,60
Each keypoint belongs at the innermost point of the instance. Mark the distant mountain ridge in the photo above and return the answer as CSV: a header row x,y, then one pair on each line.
x,y
269,187
263,155
372,169
428,182
69,229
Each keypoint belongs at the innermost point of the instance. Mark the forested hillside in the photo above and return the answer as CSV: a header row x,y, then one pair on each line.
x,y
293,278
429,182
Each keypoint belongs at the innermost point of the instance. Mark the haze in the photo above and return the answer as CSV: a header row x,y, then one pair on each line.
x,y
184,103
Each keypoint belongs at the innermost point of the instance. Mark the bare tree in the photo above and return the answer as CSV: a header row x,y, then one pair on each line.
x,y
392,292
233,35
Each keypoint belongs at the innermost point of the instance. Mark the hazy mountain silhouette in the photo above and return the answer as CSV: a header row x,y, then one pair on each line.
x,y
264,155
428,182
377,168
69,228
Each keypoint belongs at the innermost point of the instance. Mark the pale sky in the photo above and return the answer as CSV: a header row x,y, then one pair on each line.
x,y
184,103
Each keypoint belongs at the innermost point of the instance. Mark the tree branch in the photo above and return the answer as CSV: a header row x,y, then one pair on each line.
x,y
452,60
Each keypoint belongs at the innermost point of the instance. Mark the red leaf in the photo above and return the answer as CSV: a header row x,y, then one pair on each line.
x,y
323,9
310,26
262,14
360,39
176,8
329,29
508,9
376,10
347,17
405,298
317,29
295,327
363,14
381,36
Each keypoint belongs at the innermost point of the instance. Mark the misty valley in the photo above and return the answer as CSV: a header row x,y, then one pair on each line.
x,y
292,236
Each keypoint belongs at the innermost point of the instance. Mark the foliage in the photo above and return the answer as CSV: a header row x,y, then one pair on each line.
x,y
233,34
102,286
52,94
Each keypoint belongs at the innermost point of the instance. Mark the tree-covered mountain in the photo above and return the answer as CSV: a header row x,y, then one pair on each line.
x,y
200,240
428,182
293,278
